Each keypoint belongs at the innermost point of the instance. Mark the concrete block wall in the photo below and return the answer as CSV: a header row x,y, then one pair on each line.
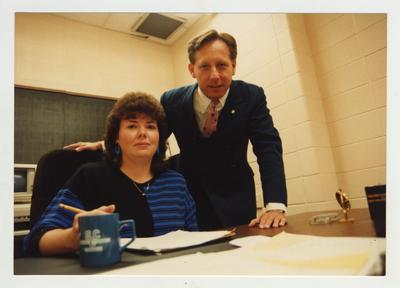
x,y
350,60
310,169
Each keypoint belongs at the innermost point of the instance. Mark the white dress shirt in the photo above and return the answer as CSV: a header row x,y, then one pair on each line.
x,y
200,106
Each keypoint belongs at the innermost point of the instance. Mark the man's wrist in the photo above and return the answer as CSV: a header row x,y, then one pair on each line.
x,y
101,146
275,210
271,206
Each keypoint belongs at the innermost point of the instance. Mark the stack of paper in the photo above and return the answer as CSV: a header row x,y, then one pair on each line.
x,y
175,240
283,254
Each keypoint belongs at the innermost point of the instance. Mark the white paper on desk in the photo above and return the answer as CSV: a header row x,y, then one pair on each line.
x,y
317,255
249,241
174,240
283,254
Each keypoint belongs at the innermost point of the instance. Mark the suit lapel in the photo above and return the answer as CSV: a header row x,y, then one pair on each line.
x,y
189,119
231,111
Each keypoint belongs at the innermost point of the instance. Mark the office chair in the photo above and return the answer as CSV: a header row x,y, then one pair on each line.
x,y
52,171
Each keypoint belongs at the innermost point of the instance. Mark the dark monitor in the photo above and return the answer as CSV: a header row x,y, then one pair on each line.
x,y
20,181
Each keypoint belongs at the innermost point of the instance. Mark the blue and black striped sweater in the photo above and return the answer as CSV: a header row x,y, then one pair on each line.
x,y
167,205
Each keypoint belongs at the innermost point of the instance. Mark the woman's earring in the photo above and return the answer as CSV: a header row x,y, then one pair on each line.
x,y
158,152
117,150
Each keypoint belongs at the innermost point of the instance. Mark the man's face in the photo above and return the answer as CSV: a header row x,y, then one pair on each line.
x,y
213,69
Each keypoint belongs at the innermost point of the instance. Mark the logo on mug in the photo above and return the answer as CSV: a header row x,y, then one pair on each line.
x,y
92,238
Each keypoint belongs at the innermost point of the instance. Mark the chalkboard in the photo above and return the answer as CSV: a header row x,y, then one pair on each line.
x,y
49,120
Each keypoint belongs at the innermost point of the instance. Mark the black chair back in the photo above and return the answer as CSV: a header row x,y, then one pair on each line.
x,y
52,171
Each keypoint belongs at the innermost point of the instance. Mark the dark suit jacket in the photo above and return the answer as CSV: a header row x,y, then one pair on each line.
x,y
216,168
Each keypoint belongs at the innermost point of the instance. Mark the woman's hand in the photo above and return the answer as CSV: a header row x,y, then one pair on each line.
x,y
61,241
101,210
81,146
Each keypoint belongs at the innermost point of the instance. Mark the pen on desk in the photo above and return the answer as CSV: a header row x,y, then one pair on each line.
x,y
70,208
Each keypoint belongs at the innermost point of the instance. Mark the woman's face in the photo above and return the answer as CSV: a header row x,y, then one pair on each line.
x,y
138,137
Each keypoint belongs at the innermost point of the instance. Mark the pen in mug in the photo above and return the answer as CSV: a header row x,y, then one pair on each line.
x,y
71,208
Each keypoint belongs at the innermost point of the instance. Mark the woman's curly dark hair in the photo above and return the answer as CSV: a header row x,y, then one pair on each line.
x,y
128,107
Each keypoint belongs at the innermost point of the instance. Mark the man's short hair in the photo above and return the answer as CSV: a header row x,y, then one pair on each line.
x,y
209,36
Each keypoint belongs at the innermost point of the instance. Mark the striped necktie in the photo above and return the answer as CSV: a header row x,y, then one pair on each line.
x,y
210,126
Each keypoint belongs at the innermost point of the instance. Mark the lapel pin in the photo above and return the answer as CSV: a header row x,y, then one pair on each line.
x,y
233,111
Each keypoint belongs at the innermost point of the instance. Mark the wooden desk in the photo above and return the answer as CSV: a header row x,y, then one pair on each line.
x,y
299,224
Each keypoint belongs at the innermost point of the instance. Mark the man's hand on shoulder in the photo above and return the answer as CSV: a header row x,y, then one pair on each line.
x,y
270,219
81,146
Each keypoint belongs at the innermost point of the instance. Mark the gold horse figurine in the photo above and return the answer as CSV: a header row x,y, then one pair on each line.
x,y
344,203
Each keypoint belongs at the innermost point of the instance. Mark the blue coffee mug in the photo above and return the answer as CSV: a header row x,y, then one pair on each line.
x,y
99,239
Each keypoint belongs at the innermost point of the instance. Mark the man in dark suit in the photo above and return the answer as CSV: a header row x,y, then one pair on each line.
x,y
213,121
215,164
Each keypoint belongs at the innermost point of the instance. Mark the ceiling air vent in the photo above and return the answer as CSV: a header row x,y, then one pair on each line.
x,y
157,25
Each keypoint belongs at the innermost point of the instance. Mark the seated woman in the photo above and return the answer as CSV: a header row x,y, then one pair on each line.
x,y
132,180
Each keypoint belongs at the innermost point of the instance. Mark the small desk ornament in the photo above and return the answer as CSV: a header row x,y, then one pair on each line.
x,y
344,203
